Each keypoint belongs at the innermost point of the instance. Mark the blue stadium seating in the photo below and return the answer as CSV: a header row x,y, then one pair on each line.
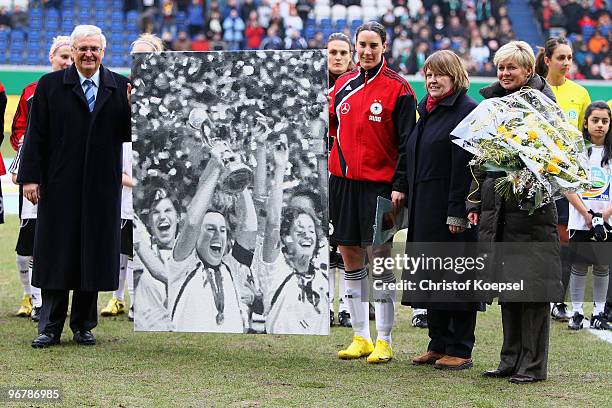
x,y
325,23
117,60
33,59
117,16
131,17
340,24
16,57
17,35
35,13
52,13
66,27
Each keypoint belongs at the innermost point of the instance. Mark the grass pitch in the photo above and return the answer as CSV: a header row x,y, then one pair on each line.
x,y
127,369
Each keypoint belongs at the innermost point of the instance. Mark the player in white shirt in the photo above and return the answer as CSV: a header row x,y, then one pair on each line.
x,y
25,248
294,285
117,305
153,249
590,218
208,289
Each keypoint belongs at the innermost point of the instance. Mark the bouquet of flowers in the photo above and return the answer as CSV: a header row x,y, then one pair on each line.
x,y
526,135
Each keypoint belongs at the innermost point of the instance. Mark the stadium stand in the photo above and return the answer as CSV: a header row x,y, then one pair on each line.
x,y
587,25
474,29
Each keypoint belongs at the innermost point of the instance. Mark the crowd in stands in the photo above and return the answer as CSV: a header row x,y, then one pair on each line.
x,y
474,29
587,25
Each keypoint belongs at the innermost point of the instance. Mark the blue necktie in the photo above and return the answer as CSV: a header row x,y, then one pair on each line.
x,y
89,94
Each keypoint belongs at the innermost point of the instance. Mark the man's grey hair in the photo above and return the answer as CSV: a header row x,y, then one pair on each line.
x,y
85,30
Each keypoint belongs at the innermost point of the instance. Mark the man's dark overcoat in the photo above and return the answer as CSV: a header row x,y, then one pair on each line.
x,y
75,157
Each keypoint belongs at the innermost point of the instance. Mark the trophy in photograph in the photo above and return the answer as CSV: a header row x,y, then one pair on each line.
x,y
237,175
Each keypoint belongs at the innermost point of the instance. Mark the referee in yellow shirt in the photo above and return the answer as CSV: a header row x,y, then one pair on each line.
x,y
554,62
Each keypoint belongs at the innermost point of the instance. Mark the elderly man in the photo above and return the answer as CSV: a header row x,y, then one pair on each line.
x,y
71,167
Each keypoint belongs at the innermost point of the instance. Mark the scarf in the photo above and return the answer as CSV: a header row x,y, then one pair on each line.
x,y
432,102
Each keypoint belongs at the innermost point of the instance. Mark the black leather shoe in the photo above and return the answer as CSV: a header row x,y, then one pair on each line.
x,y
497,373
45,340
84,337
522,379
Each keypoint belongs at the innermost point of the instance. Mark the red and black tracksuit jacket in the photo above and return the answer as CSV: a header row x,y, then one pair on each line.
x,y
20,120
372,114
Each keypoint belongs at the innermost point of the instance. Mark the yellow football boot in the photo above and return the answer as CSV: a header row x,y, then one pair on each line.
x,y
25,308
382,353
358,348
113,308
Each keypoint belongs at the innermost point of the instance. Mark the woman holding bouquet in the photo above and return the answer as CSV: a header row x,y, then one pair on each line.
x,y
524,354
438,185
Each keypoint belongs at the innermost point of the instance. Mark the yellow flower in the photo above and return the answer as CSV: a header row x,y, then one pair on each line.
x,y
556,160
532,135
560,144
517,139
553,168
503,131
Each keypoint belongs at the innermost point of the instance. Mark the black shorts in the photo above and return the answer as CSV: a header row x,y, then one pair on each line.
x,y
127,235
1,206
352,210
335,259
25,241
562,211
583,250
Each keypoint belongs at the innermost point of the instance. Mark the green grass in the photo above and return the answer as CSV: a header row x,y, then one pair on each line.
x,y
6,148
127,369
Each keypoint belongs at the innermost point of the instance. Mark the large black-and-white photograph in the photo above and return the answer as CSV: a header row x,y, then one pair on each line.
x,y
231,163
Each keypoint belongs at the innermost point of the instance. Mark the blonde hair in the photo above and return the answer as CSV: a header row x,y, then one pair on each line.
x,y
150,39
516,51
59,41
445,62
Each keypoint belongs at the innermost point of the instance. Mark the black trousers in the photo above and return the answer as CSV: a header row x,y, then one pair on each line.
x,y
566,268
451,332
526,328
83,314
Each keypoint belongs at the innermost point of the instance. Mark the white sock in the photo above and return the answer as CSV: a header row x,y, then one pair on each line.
x,y
129,277
120,292
600,290
36,295
342,305
577,285
384,309
23,268
332,288
356,297
416,312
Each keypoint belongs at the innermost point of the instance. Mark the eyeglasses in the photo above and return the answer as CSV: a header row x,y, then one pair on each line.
x,y
94,50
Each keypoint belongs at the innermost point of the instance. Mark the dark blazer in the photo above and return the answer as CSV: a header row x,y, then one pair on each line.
x,y
438,174
438,180
75,157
